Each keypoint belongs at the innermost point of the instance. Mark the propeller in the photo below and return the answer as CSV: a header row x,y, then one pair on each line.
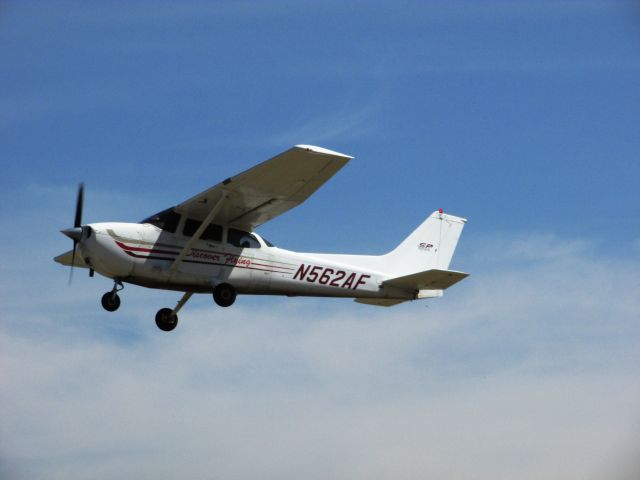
x,y
75,233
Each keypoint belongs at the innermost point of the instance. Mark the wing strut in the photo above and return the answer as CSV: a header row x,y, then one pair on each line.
x,y
185,298
196,236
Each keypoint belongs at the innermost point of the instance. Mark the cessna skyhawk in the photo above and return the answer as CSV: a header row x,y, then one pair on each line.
x,y
207,244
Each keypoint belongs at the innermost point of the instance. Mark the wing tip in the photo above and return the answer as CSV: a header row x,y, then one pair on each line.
x,y
322,150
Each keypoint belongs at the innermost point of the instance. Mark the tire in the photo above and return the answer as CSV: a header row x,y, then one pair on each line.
x,y
110,301
224,295
166,320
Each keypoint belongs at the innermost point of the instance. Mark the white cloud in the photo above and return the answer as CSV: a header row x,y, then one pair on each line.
x,y
528,373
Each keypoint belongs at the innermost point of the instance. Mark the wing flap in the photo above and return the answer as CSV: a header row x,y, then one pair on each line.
x,y
433,279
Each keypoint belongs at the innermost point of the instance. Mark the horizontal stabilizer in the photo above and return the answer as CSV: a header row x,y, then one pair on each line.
x,y
380,302
65,259
434,279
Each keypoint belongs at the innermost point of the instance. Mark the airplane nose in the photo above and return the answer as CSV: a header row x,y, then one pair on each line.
x,y
73,233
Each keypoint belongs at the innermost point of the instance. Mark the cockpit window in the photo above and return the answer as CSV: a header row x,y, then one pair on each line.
x,y
212,232
166,220
241,239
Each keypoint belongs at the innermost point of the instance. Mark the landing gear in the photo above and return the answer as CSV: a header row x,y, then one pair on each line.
x,y
224,295
111,300
167,319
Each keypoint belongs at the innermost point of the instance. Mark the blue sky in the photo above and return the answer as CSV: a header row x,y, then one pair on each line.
x,y
520,116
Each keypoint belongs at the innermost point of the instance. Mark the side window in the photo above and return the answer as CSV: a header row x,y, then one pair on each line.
x,y
241,239
167,220
190,227
212,232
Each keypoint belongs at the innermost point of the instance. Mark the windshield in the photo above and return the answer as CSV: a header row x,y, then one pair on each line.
x,y
166,220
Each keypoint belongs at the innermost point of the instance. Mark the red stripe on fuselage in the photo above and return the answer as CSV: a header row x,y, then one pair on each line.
x,y
141,249
186,260
272,266
129,249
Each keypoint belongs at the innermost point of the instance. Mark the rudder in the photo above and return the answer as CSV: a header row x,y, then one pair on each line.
x,y
430,246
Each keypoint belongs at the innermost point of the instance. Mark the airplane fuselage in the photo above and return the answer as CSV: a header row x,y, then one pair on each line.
x,y
205,244
143,254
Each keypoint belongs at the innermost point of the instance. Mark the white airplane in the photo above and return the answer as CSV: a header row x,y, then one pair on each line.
x,y
207,244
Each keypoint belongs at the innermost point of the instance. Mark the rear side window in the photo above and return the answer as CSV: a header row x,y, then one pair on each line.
x,y
212,232
241,239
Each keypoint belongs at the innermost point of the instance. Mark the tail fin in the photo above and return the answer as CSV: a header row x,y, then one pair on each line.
x,y
430,246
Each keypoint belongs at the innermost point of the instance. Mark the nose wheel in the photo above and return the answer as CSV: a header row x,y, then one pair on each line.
x,y
110,300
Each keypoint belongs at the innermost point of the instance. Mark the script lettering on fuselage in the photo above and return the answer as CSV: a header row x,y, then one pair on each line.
x,y
330,276
195,253
230,259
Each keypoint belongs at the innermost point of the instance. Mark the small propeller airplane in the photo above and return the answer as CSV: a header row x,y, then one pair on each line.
x,y
207,244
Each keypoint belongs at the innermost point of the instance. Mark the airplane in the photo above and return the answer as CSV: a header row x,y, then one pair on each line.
x,y
208,244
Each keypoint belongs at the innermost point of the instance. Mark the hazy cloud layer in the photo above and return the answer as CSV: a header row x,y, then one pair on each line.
x,y
529,369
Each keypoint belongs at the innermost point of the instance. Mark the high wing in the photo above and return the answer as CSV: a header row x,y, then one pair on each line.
x,y
263,192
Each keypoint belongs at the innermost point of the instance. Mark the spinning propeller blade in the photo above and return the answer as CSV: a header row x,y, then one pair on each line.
x,y
77,223
79,204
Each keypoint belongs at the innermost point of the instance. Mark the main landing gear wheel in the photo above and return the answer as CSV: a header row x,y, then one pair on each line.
x,y
224,295
166,320
110,301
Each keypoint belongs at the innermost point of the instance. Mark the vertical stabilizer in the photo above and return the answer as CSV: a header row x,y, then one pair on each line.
x,y
430,246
